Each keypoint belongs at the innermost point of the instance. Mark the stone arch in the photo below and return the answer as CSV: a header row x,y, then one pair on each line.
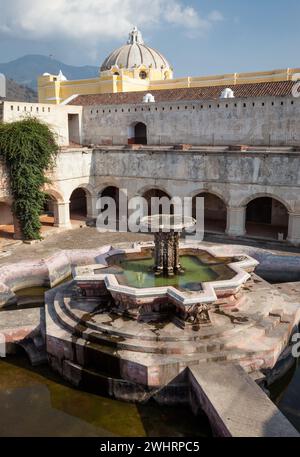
x,y
121,203
156,192
80,202
110,191
88,188
141,191
137,133
206,190
215,211
251,197
53,193
266,217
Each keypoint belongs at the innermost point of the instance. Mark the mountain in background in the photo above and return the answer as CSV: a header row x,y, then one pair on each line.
x,y
19,93
26,70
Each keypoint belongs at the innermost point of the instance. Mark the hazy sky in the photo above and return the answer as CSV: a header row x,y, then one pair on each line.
x,y
197,37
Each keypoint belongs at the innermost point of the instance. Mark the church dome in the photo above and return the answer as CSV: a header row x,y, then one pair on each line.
x,y
135,54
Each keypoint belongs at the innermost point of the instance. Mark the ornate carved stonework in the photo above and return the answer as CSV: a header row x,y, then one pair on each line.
x,y
166,253
198,314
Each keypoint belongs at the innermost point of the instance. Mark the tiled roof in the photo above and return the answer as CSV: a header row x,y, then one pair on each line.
x,y
279,89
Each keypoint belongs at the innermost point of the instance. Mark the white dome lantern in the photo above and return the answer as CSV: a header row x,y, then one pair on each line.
x,y
135,54
148,98
61,76
227,93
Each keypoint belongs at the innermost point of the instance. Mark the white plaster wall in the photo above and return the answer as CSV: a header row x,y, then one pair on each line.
x,y
56,116
254,121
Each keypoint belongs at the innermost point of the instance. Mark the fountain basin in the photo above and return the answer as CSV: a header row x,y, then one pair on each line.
x,y
127,276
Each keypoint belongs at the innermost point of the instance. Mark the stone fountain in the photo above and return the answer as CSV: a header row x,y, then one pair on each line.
x,y
130,323
167,229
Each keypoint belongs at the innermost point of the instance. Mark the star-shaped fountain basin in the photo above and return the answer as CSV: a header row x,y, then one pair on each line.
x,y
128,276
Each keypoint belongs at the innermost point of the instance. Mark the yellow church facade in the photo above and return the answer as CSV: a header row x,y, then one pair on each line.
x,y
137,67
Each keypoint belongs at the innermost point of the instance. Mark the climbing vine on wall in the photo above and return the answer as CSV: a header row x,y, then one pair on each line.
x,y
28,148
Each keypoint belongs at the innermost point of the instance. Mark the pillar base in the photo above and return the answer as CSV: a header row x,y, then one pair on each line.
x,y
236,221
63,226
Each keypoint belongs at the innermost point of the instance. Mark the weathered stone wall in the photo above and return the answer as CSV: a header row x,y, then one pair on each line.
x,y
254,121
56,116
235,177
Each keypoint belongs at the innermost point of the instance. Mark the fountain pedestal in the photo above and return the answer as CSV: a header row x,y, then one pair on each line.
x,y
166,253
167,229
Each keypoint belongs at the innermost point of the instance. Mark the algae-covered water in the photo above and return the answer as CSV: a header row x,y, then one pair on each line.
x,y
36,402
139,273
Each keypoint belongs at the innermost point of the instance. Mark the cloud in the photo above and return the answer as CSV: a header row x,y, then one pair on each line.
x,y
94,20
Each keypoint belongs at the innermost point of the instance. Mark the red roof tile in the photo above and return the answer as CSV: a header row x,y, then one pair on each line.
x,y
278,89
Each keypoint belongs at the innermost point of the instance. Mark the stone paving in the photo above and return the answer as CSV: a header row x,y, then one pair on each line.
x,y
89,238
79,238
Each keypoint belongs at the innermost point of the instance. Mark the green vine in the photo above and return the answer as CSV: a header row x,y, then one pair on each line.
x,y
28,148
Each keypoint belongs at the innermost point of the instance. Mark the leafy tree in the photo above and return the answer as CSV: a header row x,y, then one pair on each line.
x,y
28,148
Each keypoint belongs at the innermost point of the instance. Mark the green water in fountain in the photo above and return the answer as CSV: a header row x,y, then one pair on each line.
x,y
139,273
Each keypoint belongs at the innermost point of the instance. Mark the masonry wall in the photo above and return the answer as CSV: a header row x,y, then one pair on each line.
x,y
55,116
232,175
235,177
253,121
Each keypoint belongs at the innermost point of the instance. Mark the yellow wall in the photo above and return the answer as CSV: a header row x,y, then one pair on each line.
x,y
54,91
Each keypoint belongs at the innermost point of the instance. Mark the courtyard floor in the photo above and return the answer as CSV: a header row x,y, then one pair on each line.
x,y
88,237
77,238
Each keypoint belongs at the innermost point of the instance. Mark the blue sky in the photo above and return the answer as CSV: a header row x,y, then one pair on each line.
x,y
197,37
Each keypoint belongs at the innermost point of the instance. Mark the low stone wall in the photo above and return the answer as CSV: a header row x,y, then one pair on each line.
x,y
46,272
234,403
51,271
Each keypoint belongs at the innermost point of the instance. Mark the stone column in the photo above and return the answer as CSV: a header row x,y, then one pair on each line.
x,y
62,215
236,219
294,229
92,212
177,265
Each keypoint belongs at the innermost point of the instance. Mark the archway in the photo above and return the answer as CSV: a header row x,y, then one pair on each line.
x,y
7,229
119,197
112,192
78,205
267,217
137,133
215,212
47,216
156,193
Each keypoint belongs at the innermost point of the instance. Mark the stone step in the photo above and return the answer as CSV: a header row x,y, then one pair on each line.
x,y
279,330
36,356
151,368
165,348
101,383
79,316
133,344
